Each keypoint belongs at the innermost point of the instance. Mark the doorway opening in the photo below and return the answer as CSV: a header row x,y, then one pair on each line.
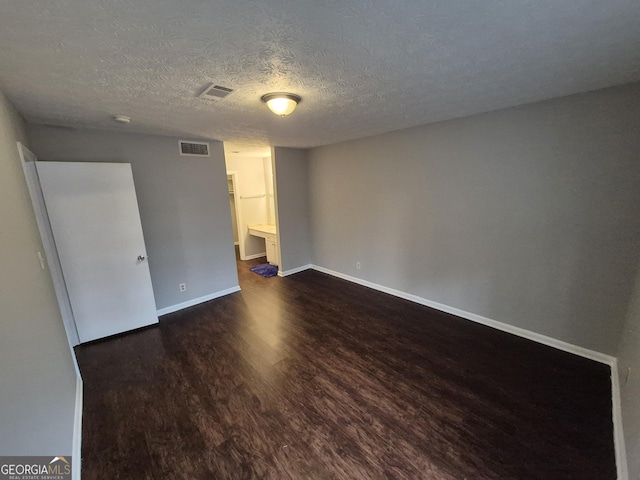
x,y
253,207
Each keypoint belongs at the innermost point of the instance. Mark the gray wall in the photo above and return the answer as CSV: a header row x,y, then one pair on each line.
x,y
629,357
292,183
528,216
184,205
38,379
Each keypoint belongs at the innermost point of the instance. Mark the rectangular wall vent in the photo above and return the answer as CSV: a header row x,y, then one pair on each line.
x,y
194,149
215,92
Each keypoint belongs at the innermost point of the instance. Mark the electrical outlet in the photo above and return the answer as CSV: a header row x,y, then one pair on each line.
x,y
358,265
183,287
41,259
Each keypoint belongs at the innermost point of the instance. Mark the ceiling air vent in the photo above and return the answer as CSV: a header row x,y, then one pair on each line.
x,y
194,149
215,92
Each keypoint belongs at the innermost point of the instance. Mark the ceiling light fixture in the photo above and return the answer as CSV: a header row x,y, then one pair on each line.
x,y
281,103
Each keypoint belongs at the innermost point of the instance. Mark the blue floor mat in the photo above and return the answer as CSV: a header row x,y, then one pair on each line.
x,y
265,269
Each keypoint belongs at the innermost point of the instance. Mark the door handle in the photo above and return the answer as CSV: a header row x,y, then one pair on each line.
x,y
141,258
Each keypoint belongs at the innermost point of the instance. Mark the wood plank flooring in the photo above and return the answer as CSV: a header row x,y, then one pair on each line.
x,y
312,377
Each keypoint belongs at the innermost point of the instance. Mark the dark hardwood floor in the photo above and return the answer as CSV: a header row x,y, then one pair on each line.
x,y
312,377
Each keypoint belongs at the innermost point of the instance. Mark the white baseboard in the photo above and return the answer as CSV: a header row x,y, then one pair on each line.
x,y
621,455
294,270
505,327
618,433
255,255
196,301
76,454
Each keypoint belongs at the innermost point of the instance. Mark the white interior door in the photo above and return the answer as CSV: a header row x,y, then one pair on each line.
x,y
95,220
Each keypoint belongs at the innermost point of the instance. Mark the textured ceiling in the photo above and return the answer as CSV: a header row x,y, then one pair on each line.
x,y
362,67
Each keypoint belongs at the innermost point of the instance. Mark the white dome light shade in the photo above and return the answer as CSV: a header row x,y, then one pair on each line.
x,y
281,103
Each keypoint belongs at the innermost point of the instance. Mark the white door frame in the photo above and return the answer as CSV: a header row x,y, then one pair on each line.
x,y
239,222
28,159
274,173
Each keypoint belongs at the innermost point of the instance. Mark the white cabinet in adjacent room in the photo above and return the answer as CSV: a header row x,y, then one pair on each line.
x,y
270,235
271,242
